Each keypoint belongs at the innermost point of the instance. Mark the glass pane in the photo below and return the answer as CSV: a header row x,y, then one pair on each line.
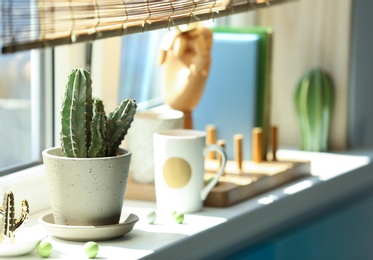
x,y
139,72
15,110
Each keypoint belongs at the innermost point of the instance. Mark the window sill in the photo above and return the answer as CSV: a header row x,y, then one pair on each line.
x,y
219,232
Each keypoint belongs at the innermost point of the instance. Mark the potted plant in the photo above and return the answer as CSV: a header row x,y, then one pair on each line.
x,y
87,175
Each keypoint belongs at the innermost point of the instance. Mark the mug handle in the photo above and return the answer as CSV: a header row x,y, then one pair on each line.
x,y
211,184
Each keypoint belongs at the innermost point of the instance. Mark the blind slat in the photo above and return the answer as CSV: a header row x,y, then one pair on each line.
x,y
30,24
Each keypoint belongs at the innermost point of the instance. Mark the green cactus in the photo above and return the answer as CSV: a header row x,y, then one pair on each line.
x,y
86,131
98,130
76,114
314,98
118,124
9,223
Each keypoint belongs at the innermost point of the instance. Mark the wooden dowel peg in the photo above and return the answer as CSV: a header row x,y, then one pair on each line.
x,y
210,139
274,142
237,140
222,144
257,144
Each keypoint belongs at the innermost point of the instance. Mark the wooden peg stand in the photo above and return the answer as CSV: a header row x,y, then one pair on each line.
x,y
245,179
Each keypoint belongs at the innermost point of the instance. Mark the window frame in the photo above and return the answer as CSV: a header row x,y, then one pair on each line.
x,y
41,102
30,181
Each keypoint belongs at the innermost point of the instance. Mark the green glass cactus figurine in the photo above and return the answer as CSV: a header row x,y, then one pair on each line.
x,y
86,131
8,222
314,98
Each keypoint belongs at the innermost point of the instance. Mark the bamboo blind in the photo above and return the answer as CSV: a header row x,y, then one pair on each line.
x,y
30,24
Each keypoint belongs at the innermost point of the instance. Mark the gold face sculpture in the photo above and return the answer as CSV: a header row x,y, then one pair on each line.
x,y
185,59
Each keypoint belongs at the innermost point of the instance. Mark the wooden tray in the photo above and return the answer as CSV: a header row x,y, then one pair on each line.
x,y
236,185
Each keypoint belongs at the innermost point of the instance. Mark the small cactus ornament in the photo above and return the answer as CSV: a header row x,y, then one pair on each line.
x,y
314,98
8,222
86,131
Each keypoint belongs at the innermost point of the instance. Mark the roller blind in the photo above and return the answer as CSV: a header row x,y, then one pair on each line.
x,y
30,24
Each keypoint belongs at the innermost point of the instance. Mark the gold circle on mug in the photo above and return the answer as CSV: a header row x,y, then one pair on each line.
x,y
176,172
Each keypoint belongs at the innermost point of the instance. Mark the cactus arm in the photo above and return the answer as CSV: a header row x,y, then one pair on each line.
x,y
76,114
9,226
25,211
98,130
89,108
119,121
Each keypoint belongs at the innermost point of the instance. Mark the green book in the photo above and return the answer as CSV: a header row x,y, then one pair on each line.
x,y
263,99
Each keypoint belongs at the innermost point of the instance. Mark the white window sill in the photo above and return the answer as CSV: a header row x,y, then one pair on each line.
x,y
218,232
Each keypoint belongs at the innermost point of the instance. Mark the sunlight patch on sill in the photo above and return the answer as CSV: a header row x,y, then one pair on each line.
x,y
165,223
117,251
298,187
326,165
338,166
267,199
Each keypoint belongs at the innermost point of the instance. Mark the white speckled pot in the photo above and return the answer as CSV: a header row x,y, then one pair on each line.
x,y
86,191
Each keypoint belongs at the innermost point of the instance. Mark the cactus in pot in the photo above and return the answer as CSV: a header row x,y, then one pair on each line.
x,y
314,99
87,175
86,131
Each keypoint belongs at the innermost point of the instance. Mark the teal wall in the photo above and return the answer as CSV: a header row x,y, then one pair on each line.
x,y
343,233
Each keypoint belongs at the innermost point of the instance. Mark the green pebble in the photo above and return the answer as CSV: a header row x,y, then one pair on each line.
x,y
44,249
151,217
91,249
179,217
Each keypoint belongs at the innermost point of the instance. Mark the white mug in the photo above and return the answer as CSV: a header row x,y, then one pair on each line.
x,y
140,140
179,169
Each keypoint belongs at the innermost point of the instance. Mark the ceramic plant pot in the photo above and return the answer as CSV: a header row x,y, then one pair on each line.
x,y
140,140
86,191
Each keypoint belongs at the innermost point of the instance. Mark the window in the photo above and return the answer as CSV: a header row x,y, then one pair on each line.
x,y
139,73
25,102
26,93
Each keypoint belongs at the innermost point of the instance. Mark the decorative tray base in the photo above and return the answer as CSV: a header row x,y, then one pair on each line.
x,y
236,185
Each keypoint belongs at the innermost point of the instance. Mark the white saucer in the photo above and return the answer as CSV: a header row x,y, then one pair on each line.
x,y
87,233
22,245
